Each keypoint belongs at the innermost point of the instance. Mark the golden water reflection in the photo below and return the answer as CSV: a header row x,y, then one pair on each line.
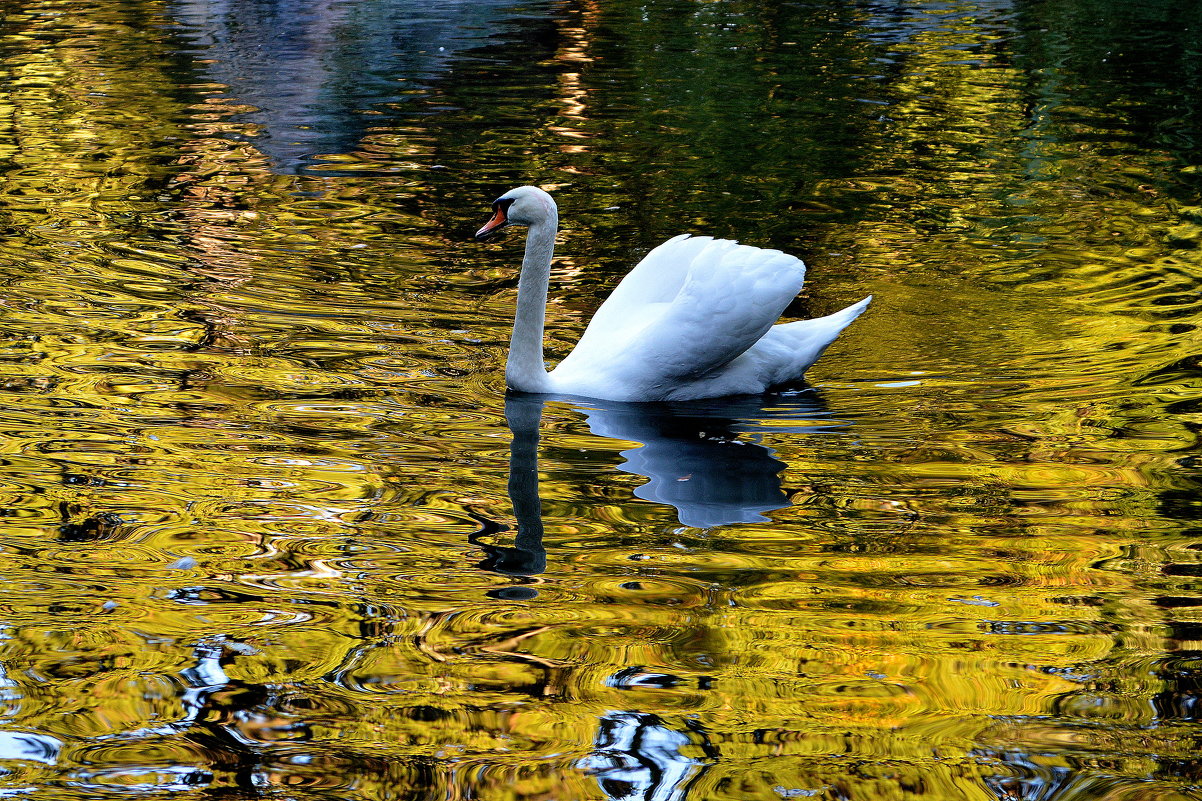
x,y
271,527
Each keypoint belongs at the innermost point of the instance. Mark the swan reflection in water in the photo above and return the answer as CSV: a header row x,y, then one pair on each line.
x,y
700,457
639,757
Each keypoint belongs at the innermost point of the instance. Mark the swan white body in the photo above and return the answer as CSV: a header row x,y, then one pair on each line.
x,y
696,318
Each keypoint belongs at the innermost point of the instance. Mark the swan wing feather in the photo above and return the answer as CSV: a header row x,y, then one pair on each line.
x,y
690,307
787,350
655,280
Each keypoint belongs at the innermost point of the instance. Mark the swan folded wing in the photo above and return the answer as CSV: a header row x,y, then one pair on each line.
x,y
654,281
639,299
729,297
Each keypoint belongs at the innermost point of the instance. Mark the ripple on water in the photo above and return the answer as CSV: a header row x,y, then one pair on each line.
x,y
255,470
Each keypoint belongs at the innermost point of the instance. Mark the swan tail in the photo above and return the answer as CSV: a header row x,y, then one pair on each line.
x,y
791,348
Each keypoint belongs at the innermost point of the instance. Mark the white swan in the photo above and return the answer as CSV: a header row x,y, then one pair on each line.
x,y
694,319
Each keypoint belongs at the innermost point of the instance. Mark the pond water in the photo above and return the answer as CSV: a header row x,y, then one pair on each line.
x,y
272,529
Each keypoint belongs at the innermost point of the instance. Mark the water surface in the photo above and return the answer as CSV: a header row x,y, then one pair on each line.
x,y
273,530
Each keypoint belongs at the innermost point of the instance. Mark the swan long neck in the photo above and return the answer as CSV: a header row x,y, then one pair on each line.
x,y
526,370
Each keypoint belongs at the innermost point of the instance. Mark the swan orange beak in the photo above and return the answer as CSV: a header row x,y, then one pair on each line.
x,y
498,221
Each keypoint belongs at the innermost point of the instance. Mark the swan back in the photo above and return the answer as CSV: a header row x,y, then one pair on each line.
x,y
692,306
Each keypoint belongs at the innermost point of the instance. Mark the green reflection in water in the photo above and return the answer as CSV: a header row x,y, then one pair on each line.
x,y
261,534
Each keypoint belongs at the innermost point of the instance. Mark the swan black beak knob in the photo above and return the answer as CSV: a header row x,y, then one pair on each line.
x,y
499,220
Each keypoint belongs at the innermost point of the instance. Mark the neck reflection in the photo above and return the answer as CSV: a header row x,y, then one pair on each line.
x,y
702,458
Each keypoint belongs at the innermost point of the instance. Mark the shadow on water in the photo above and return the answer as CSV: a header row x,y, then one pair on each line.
x,y
702,458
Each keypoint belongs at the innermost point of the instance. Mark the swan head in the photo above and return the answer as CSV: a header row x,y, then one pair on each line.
x,y
526,205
